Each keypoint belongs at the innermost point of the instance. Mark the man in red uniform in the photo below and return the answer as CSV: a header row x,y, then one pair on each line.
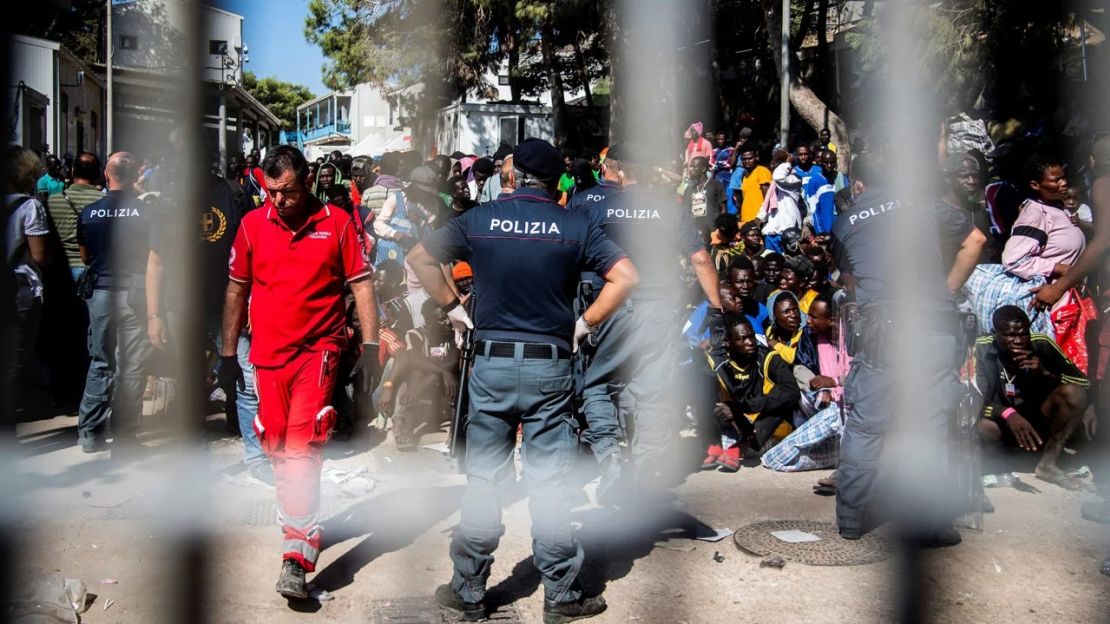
x,y
292,257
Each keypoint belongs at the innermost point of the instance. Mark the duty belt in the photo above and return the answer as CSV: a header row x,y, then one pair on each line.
x,y
114,282
531,350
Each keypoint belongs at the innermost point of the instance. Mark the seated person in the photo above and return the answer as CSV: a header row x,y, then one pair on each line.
x,y
758,393
733,304
768,271
423,378
823,278
741,276
1033,395
797,273
784,332
822,384
724,242
752,237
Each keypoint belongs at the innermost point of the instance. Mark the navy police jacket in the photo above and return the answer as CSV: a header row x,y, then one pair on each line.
x,y
654,231
527,253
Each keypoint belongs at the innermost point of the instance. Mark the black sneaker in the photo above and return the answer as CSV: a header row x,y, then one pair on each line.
x,y
291,582
1104,569
261,473
559,612
449,601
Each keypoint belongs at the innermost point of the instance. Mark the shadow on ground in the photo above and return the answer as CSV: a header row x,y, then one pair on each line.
x,y
389,522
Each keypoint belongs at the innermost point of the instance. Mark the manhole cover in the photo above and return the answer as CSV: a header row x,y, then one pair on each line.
x,y
829,550
424,611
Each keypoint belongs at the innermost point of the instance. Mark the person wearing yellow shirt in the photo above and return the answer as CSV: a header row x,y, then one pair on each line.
x,y
753,186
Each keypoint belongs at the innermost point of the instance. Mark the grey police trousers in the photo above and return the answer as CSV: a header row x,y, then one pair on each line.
x,y
506,392
910,482
635,361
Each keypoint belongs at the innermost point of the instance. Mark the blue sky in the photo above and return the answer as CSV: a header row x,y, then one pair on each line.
x,y
274,32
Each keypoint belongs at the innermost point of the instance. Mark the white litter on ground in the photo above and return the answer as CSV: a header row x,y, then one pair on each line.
x,y
795,537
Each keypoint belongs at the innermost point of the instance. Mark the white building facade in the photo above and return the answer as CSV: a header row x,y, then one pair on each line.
x,y
58,102
359,121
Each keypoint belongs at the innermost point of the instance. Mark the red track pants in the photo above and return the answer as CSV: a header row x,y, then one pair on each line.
x,y
294,420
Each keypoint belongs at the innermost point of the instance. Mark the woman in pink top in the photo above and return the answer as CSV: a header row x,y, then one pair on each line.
x,y
1044,241
698,145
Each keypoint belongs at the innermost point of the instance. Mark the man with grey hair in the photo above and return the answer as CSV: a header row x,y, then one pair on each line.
x,y
112,238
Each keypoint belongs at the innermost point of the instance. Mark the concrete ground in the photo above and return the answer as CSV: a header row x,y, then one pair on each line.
x,y
85,516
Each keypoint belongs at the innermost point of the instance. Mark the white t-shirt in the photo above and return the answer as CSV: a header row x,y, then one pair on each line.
x,y
28,219
785,216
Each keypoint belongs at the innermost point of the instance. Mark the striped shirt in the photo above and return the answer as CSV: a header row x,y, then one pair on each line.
x,y
64,209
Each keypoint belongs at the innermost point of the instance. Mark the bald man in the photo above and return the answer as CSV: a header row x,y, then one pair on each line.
x,y
112,238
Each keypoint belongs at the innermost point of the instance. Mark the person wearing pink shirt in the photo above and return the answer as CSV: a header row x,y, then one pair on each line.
x,y
1044,241
698,145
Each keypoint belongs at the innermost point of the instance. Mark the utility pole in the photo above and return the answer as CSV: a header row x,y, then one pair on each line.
x,y
108,64
223,129
784,95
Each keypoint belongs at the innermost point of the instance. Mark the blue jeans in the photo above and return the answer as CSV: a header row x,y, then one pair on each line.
x,y
246,400
506,392
119,348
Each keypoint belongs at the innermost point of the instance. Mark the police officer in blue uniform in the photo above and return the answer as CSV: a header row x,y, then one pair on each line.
x,y
608,185
112,236
527,253
866,240
636,352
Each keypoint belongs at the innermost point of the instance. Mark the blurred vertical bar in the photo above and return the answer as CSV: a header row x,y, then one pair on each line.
x,y
912,449
661,51
190,161
9,487
164,123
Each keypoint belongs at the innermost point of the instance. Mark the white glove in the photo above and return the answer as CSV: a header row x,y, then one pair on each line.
x,y
582,329
460,320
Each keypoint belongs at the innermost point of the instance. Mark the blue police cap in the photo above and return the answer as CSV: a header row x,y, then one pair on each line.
x,y
539,158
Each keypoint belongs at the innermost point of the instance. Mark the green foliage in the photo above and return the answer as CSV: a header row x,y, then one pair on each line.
x,y
450,45
282,98
79,28
997,53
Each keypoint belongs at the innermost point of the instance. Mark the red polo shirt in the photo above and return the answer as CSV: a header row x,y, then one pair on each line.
x,y
296,279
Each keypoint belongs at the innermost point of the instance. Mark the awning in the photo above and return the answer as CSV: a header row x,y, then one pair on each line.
x,y
375,146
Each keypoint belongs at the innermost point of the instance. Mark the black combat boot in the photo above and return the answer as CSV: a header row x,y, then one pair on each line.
x,y
291,582
449,601
560,612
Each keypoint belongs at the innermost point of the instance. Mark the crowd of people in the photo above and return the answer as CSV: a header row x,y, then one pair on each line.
x,y
724,295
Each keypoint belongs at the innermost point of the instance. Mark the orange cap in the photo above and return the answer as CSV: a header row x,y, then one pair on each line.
x,y
461,270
